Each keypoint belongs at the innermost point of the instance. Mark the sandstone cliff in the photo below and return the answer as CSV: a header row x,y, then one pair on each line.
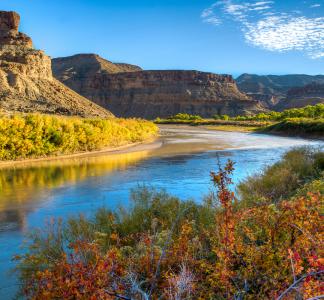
x,y
150,94
310,94
26,81
272,89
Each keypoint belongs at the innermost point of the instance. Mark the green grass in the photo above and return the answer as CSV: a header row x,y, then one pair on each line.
x,y
36,135
282,180
298,126
307,121
212,122
233,128
309,111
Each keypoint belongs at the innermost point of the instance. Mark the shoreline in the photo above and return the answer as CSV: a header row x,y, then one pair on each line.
x,y
149,144
287,134
250,129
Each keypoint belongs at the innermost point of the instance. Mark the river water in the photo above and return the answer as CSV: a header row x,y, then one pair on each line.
x,y
180,162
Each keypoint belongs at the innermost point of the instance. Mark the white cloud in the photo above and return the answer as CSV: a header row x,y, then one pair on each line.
x,y
260,8
266,28
243,10
207,12
315,5
208,16
213,20
287,34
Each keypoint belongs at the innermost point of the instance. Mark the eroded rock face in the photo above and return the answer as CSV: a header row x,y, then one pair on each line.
x,y
310,94
151,94
274,90
26,80
9,20
9,35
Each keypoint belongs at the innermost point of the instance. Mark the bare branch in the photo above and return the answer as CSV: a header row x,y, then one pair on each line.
x,y
291,287
165,247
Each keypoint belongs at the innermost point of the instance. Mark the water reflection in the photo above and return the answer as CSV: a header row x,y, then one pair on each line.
x,y
180,162
23,186
12,220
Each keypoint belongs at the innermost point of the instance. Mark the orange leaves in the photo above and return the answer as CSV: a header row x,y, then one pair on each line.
x,y
84,275
211,252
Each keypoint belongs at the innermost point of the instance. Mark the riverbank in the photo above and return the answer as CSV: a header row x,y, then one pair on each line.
x,y
287,192
294,127
37,136
302,127
232,128
154,143
306,122
179,161
128,148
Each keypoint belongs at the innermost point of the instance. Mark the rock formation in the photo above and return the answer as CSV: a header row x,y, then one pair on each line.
x,y
271,90
26,81
129,92
310,94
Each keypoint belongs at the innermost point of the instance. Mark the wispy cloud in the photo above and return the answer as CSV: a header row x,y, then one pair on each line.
x,y
209,16
283,33
265,27
315,5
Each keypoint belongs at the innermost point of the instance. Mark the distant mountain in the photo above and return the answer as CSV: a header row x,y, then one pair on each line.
x,y
310,94
272,89
26,81
128,91
89,64
276,85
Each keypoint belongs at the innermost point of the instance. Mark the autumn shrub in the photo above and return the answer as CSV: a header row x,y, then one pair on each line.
x,y
221,117
35,135
282,179
183,116
308,112
301,126
164,248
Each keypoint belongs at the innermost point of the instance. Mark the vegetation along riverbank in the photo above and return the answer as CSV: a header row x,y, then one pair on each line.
x,y
307,121
37,135
265,246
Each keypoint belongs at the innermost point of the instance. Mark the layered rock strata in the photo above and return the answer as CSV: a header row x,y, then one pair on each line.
x,y
310,94
26,80
150,94
276,91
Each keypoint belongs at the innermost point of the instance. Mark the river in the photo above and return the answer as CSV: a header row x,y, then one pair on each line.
x,y
179,161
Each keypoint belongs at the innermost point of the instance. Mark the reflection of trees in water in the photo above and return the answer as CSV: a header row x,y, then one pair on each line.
x,y
12,220
22,187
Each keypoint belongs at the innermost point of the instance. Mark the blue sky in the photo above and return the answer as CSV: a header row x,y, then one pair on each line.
x,y
226,36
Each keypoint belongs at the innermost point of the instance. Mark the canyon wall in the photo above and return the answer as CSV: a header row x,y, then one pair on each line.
x,y
26,80
151,94
310,94
276,91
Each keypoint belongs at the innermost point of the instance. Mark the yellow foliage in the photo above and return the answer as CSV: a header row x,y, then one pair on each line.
x,y
35,135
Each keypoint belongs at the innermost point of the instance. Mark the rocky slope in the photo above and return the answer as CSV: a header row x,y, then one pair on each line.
x,y
87,64
310,94
26,81
272,90
150,94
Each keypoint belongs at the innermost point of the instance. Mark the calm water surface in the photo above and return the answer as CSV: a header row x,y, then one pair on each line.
x,y
180,162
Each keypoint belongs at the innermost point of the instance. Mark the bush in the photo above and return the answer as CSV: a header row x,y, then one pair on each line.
x,y
298,126
221,117
310,111
282,179
185,117
164,248
35,135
